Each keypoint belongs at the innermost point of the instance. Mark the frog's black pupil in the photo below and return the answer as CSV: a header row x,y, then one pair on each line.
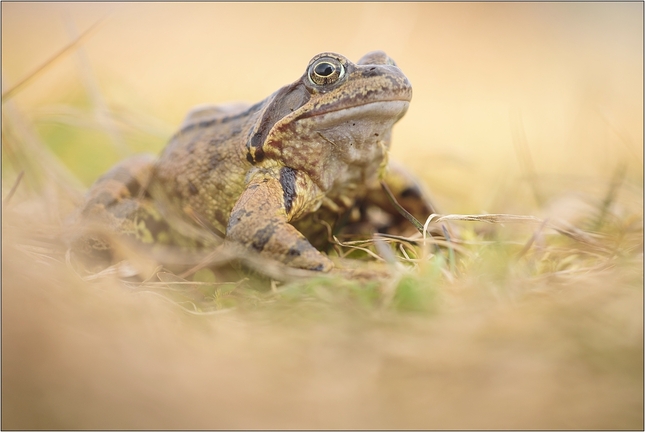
x,y
324,69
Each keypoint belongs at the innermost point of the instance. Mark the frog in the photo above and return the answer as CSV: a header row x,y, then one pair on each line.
x,y
273,177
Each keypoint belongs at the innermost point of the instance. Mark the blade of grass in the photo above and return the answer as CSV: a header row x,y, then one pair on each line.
x,y
524,153
614,186
451,252
529,243
492,218
400,209
6,199
6,95
102,111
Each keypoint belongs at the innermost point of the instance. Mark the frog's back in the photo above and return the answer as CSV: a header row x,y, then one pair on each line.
x,y
213,113
204,165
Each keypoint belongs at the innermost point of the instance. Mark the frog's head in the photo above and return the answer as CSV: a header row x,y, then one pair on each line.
x,y
336,110
374,84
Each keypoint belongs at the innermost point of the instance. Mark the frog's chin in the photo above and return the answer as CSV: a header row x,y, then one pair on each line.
x,y
384,111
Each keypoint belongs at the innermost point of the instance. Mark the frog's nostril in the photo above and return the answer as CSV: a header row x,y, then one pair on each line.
x,y
372,68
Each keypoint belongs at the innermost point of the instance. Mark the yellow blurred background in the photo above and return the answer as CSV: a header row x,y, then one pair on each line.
x,y
503,92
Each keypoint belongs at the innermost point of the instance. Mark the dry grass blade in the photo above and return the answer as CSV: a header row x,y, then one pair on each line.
x,y
227,253
614,186
488,218
400,209
352,246
451,252
6,95
453,243
534,237
524,153
384,251
218,256
561,227
27,152
624,138
6,199
102,111
204,223
577,234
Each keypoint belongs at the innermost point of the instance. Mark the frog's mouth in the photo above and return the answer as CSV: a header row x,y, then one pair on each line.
x,y
380,109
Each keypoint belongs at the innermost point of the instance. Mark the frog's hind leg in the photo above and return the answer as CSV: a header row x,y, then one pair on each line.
x,y
115,205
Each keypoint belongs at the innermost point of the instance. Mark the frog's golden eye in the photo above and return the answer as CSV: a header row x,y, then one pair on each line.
x,y
326,71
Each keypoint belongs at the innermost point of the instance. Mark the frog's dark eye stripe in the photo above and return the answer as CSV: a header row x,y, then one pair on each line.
x,y
326,71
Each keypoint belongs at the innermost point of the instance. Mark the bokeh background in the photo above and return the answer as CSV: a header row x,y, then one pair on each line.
x,y
529,108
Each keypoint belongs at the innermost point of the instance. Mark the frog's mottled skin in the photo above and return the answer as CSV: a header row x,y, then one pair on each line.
x,y
266,175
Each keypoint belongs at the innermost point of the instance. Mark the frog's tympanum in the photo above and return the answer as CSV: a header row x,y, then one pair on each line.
x,y
273,177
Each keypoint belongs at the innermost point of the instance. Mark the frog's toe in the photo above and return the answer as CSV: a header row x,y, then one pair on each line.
x,y
315,262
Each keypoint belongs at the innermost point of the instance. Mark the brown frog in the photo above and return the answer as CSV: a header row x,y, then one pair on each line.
x,y
272,176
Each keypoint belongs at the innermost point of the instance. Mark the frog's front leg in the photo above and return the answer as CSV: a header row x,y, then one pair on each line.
x,y
260,218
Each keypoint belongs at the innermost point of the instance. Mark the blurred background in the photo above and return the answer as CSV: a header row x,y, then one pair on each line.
x,y
528,108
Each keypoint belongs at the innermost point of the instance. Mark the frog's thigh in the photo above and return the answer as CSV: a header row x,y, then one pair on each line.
x,y
113,203
259,221
407,191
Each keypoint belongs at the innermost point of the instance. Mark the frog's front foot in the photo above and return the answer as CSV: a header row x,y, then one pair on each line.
x,y
259,221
